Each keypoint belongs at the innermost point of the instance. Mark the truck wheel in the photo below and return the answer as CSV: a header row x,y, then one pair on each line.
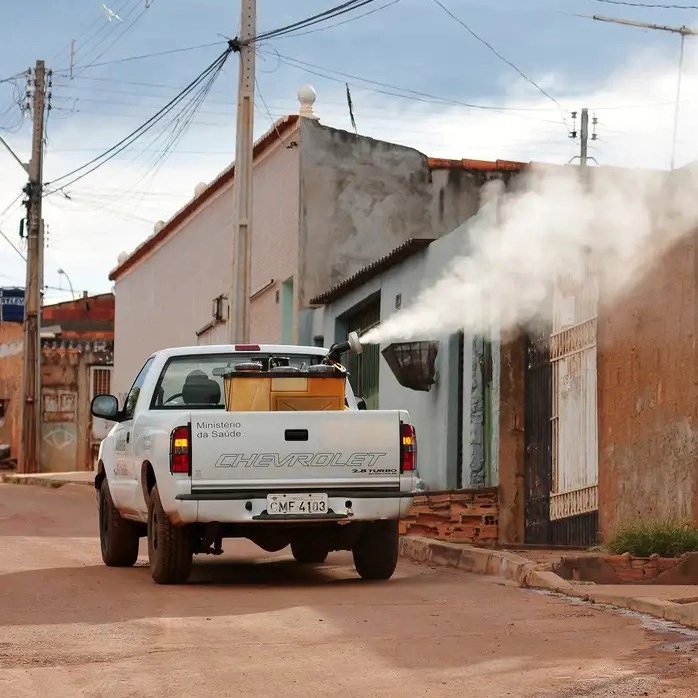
x,y
170,548
376,551
308,553
118,537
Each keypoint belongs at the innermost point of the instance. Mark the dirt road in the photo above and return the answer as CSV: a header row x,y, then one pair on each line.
x,y
260,625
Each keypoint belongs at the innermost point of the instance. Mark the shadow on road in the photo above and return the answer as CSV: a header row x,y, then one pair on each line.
x,y
98,594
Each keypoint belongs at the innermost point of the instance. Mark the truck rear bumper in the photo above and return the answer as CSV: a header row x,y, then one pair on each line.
x,y
239,506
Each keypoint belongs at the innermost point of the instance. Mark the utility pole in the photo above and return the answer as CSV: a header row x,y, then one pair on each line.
x,y
683,31
239,329
31,383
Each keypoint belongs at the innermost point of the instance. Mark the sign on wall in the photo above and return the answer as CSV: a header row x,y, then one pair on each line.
x,y
11,304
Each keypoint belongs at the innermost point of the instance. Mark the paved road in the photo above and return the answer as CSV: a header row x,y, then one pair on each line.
x,y
260,625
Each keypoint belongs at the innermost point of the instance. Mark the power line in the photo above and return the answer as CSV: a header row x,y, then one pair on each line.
x,y
137,133
12,245
650,5
142,57
212,70
122,34
333,12
499,55
344,21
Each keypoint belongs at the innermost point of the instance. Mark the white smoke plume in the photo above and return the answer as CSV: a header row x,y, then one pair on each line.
x,y
550,224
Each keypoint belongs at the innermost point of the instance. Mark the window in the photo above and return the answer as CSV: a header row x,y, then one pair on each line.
x,y
195,381
132,397
101,380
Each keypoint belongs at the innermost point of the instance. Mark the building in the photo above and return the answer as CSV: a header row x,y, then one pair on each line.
x,y
77,358
326,203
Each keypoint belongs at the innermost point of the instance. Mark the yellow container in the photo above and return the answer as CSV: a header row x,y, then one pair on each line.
x,y
268,393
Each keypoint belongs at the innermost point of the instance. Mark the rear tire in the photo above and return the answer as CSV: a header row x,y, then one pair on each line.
x,y
309,552
376,551
118,537
170,548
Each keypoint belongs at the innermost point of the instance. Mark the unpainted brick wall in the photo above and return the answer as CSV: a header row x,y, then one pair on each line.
x,y
458,516
11,365
648,397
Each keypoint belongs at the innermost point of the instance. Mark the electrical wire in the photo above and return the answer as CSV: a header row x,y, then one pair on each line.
x,y
344,21
121,34
333,12
649,5
109,154
142,57
501,57
12,245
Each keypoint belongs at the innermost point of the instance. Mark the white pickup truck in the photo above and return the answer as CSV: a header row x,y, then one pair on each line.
x,y
181,469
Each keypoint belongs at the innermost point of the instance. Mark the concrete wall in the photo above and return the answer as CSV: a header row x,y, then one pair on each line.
x,y
434,413
167,296
11,366
648,397
360,199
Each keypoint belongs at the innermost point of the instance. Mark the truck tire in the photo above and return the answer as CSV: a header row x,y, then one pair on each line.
x,y
170,548
376,551
309,552
118,537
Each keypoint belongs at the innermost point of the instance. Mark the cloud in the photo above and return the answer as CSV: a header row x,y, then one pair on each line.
x,y
634,106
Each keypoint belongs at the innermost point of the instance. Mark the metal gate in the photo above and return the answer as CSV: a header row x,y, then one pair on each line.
x,y
574,493
538,468
364,368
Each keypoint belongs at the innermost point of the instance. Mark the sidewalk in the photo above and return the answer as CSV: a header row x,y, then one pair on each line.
x,y
83,477
678,604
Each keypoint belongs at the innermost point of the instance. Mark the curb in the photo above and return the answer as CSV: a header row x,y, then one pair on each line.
x,y
506,565
53,483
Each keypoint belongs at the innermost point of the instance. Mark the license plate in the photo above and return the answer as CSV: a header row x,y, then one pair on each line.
x,y
298,504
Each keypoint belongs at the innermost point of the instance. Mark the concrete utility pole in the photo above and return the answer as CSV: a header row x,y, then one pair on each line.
x,y
683,31
239,329
31,383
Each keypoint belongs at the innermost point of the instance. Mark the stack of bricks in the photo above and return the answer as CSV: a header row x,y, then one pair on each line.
x,y
460,516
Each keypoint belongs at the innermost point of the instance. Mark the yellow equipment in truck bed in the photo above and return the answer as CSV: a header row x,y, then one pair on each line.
x,y
252,392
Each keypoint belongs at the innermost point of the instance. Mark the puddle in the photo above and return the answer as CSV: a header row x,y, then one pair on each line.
x,y
659,625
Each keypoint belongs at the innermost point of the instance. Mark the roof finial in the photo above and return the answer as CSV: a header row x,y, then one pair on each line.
x,y
306,97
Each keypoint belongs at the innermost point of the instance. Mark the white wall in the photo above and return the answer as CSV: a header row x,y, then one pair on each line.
x,y
167,296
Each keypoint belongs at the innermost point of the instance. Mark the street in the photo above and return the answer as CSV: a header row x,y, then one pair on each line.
x,y
254,624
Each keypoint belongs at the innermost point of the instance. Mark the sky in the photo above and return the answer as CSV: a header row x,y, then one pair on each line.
x,y
417,77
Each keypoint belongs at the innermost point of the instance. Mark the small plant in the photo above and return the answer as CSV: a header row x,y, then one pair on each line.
x,y
663,538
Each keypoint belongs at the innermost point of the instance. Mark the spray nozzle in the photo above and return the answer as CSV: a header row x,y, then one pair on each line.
x,y
353,343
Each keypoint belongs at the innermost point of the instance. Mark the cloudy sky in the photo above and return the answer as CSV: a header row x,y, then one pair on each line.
x,y
417,77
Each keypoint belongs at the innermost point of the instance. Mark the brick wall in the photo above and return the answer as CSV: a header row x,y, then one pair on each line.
x,y
11,365
459,516
648,397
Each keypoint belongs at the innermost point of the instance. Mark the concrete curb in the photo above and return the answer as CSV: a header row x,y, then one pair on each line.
x,y
506,565
43,481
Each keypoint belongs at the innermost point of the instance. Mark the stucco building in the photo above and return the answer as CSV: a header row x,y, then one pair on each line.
x,y
76,364
325,203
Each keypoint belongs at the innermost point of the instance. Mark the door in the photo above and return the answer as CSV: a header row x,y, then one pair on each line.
x,y
364,368
125,482
538,467
574,493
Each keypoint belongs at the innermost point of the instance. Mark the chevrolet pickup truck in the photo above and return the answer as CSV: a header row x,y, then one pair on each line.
x,y
199,453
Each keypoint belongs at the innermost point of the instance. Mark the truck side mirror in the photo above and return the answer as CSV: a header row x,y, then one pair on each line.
x,y
360,403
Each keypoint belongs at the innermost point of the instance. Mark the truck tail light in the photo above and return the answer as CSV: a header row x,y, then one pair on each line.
x,y
180,450
408,448
247,347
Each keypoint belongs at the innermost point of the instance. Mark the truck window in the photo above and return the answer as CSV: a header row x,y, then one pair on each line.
x,y
134,393
194,381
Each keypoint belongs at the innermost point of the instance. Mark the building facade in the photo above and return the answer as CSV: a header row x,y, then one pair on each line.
x,y
325,204
76,363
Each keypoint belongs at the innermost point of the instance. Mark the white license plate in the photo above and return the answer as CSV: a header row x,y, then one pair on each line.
x,y
298,504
